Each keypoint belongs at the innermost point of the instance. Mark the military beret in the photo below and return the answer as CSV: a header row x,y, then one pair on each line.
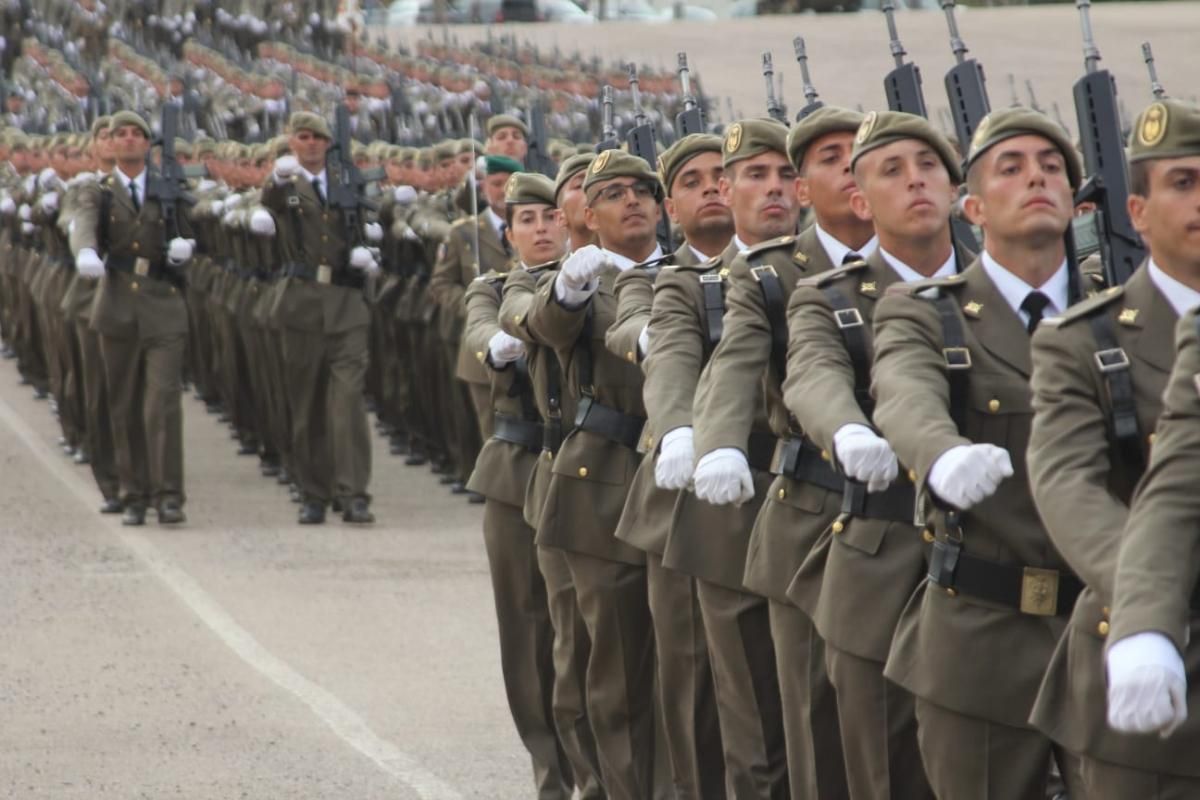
x,y
502,164
753,137
823,121
308,121
881,128
100,123
527,188
405,154
183,147
498,121
611,164
204,146
468,146
683,151
444,150
1166,129
570,168
17,140
425,158
123,118
1006,123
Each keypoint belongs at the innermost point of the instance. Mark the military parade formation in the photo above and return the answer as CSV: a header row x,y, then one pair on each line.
x,y
841,456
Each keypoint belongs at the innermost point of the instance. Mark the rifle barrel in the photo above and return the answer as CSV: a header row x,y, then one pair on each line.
x,y
957,45
1091,53
685,81
635,90
898,52
1155,86
810,91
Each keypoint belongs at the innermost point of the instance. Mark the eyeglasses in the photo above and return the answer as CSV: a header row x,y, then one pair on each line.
x,y
615,192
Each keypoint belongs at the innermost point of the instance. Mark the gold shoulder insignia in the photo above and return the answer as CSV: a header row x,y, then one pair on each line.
x,y
827,277
1086,308
771,244
973,309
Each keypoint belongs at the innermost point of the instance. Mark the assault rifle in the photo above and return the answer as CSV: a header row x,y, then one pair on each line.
x,y
691,119
168,185
608,133
640,140
903,84
813,102
777,111
348,185
1155,87
537,158
964,85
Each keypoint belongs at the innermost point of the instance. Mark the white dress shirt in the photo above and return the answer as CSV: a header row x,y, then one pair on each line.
x,y
497,222
1014,290
322,180
837,251
908,274
139,180
1181,297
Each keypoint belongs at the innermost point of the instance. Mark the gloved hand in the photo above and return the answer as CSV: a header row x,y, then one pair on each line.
x,y
28,228
505,349
7,205
676,459
25,212
361,258
232,201
965,475
179,251
89,264
723,477
644,341
1147,685
865,456
262,223
218,208
49,202
405,195
48,179
373,231
577,278
285,168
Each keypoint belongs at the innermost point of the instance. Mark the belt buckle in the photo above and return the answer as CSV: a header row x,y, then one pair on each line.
x,y
1111,360
848,318
1039,592
141,267
324,274
712,277
957,357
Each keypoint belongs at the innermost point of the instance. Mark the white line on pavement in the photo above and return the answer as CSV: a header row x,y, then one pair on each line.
x,y
341,719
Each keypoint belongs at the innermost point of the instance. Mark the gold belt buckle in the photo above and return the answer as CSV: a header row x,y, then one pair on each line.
x,y
1039,592
324,274
141,267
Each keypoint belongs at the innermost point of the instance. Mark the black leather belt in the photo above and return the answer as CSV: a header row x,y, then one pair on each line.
x,y
797,458
616,426
143,268
325,275
518,431
1030,590
897,503
760,450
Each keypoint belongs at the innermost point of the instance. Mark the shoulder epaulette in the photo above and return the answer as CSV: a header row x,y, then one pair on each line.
x,y
771,244
930,288
823,279
1086,308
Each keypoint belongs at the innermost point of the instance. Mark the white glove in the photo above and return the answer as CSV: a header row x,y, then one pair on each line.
x,y
218,208
723,477
577,278
373,231
361,258
1147,685
89,264
28,228
262,223
404,195
676,459
48,179
865,456
232,201
25,212
7,206
49,202
964,475
179,251
504,348
644,341
285,168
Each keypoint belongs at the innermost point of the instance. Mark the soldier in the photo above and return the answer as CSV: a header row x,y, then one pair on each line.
x,y
507,136
951,381
141,318
1101,371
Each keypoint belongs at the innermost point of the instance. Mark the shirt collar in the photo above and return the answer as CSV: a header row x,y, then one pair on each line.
x,y
699,256
1182,297
310,177
741,246
908,274
837,251
496,220
139,179
1014,290
622,263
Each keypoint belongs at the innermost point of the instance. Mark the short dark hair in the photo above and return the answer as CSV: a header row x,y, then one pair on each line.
x,y
1139,178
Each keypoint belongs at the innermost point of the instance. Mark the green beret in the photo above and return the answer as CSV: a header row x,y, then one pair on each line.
x,y
528,188
123,118
823,121
498,121
570,168
100,123
753,137
445,150
496,165
1007,123
308,121
611,164
683,151
1166,129
881,128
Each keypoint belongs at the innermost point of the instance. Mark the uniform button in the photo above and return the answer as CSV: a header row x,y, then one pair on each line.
x,y
824,455
549,455
993,405
928,536
630,355
649,442
137,246
912,476
783,494
583,472
950,592
479,355
838,526
517,318
1102,628
134,286
1151,438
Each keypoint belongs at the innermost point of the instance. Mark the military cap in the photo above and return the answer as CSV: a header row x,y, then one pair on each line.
x,y
881,128
404,154
444,150
528,188
205,146
498,121
752,137
502,164
683,151
611,164
123,118
468,146
18,140
1006,123
823,121
279,146
308,121
570,168
1168,128
425,158
183,147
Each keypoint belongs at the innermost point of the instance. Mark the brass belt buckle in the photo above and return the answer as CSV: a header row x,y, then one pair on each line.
x,y
1039,592
141,267
324,274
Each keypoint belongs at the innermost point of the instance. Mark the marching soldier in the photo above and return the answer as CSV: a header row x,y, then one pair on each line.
x,y
507,136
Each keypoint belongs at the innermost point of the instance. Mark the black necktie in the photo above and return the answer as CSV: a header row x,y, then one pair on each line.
x,y
851,257
1034,305
133,195
316,184
504,238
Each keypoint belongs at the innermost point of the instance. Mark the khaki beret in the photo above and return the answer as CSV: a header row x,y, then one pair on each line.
x,y
17,140
1006,123
468,146
527,188
823,121
570,168
881,128
308,121
618,164
1166,129
183,147
498,121
445,150
683,151
123,118
426,158
753,137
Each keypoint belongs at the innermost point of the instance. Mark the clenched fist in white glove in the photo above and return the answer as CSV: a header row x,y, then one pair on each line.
x,y
361,258
865,456
25,212
8,206
1147,685
504,349
970,473
723,477
404,195
676,459
576,279
218,208
262,223
48,179
285,168
89,264
373,231
49,202
179,251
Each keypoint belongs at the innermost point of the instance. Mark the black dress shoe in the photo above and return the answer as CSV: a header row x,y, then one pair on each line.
x,y
170,513
398,446
358,512
112,506
283,479
416,460
248,449
81,456
134,515
312,512
336,505
458,487
448,479
268,469
40,394
475,498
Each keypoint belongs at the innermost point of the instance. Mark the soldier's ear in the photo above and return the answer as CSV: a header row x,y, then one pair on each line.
x,y
802,194
1137,213
860,206
972,206
589,218
669,205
